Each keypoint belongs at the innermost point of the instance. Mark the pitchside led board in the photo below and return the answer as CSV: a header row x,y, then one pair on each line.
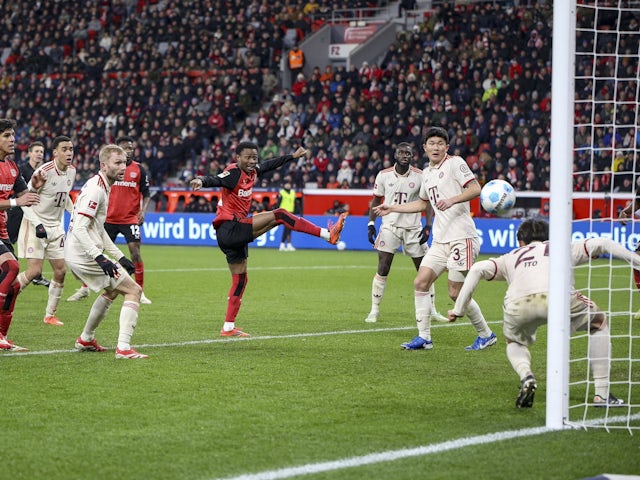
x,y
497,236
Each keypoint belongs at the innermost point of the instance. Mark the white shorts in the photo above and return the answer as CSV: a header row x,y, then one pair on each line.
x,y
391,238
523,316
30,246
457,257
94,277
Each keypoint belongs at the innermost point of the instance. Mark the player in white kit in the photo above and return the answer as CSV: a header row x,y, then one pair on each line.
x,y
397,184
84,251
526,270
41,235
448,185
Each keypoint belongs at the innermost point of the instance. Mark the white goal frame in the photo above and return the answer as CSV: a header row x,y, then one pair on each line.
x,y
560,360
560,212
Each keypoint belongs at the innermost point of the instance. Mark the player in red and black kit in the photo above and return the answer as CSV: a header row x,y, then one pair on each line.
x,y
128,203
235,229
11,182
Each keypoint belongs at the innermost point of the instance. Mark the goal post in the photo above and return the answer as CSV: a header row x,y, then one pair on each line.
x,y
595,150
560,211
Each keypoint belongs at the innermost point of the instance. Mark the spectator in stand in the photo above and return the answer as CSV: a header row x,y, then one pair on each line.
x,y
160,97
199,204
338,208
345,174
296,61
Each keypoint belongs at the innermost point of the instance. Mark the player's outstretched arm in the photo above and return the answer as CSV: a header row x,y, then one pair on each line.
x,y
411,207
594,247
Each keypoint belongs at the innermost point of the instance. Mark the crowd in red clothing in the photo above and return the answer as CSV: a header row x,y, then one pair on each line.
x,y
191,79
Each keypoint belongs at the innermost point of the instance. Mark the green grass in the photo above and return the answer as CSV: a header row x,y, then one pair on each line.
x,y
314,383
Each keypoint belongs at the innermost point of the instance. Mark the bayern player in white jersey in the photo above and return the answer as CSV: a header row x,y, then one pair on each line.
x,y
526,270
41,234
86,250
447,185
397,184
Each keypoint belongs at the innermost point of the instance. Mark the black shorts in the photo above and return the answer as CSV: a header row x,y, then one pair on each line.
x,y
234,238
6,247
130,232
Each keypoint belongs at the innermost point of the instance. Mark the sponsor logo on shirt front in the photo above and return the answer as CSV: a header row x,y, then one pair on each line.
x,y
125,184
244,193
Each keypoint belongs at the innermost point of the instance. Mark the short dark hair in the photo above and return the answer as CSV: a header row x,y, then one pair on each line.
x,y
37,143
124,138
436,132
246,145
59,139
7,124
533,230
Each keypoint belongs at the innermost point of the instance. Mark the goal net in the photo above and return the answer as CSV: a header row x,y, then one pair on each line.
x,y
606,170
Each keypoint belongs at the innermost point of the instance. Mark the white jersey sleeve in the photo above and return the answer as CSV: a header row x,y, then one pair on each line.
x,y
447,180
86,238
54,195
584,250
398,190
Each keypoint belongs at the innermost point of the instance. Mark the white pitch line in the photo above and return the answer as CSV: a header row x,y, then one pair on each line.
x,y
392,455
246,339
389,456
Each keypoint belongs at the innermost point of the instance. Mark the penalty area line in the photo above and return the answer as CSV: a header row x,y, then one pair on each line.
x,y
246,339
390,455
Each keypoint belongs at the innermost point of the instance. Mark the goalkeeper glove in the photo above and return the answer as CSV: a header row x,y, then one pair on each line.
x,y
108,267
424,234
127,265
371,230
41,232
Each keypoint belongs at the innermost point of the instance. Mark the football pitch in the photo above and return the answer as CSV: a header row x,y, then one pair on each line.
x,y
315,393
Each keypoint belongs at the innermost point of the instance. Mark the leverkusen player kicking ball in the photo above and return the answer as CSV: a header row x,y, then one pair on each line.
x,y
235,229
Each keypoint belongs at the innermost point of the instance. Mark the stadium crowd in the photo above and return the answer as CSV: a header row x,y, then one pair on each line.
x,y
190,79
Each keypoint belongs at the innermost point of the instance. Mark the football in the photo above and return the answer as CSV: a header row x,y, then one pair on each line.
x,y
497,197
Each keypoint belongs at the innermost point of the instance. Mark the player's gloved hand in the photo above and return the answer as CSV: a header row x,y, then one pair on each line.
x,y
424,234
41,232
107,266
127,265
371,231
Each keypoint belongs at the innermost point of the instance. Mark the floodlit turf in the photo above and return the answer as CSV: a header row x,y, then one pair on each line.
x,y
314,384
